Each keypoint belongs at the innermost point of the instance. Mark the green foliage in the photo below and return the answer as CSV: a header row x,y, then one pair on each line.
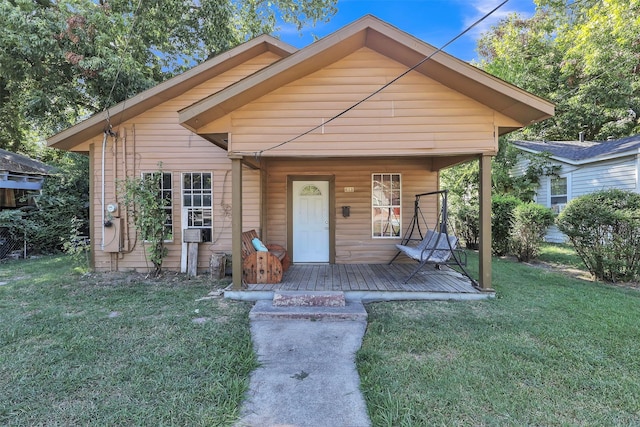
x,y
62,208
502,217
462,181
63,60
145,203
63,205
16,222
77,246
525,185
604,227
530,223
467,224
581,55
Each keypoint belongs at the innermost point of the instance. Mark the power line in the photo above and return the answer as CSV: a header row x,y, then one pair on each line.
x,y
425,59
119,69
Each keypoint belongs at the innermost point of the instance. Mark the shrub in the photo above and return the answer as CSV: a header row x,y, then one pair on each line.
x,y
502,207
604,228
530,224
467,225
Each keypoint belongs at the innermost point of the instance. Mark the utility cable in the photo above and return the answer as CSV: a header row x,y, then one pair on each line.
x,y
425,59
119,69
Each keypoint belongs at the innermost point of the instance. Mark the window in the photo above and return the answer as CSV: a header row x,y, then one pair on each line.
x,y
558,193
166,193
197,202
386,205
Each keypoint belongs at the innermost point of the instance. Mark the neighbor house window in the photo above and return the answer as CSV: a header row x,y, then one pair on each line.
x,y
165,192
197,202
559,193
386,207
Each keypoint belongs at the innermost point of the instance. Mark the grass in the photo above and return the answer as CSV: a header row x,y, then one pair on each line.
x,y
561,254
118,349
548,350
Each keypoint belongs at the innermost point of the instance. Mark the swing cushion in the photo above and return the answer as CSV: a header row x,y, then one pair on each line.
x,y
433,248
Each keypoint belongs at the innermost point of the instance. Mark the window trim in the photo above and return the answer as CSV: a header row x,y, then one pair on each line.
x,y
184,210
550,196
171,204
391,205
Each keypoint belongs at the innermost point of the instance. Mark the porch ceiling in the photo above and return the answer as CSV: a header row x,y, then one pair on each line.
x,y
370,32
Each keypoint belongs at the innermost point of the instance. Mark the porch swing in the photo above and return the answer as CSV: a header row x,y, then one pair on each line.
x,y
436,246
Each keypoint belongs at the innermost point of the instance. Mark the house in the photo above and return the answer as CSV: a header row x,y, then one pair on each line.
x,y
20,179
297,144
584,167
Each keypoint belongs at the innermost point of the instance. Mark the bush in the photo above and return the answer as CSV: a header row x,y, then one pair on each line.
x,y
502,208
530,224
467,225
604,228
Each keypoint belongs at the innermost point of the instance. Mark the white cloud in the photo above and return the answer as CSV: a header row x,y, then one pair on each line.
x,y
479,8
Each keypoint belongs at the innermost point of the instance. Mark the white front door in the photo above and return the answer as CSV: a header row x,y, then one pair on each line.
x,y
310,221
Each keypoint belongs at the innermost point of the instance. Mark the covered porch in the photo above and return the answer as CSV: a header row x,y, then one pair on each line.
x,y
369,282
327,118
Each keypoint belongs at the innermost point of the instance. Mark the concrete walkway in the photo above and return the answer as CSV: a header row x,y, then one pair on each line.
x,y
307,375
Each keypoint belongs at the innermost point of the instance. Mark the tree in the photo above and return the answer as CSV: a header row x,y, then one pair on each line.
x,y
63,60
583,56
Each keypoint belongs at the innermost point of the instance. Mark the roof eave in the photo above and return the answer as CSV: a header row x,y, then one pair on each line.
x,y
523,107
119,113
579,162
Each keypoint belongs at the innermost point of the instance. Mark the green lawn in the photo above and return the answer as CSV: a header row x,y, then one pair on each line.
x,y
117,349
122,350
549,350
561,254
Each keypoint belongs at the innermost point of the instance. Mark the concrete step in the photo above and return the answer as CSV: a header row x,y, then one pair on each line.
x,y
266,310
308,299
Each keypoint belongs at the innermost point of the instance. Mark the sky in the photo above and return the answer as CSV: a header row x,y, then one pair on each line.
x,y
433,21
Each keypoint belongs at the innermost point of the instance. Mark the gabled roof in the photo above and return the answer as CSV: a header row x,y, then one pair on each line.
x,y
377,35
579,152
167,90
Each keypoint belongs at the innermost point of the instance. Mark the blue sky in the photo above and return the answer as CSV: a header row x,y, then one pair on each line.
x,y
433,21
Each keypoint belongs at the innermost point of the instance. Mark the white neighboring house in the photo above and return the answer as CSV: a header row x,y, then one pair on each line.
x,y
585,167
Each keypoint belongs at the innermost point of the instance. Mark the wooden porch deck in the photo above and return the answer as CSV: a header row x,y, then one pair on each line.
x,y
369,282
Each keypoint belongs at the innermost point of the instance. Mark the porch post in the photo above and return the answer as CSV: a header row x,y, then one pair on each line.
x,y
485,223
236,221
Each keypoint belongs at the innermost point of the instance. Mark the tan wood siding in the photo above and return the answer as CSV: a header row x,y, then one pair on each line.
x,y
199,157
156,137
415,115
354,243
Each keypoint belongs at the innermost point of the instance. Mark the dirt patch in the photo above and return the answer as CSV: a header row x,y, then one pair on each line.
x,y
578,274
167,278
562,269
